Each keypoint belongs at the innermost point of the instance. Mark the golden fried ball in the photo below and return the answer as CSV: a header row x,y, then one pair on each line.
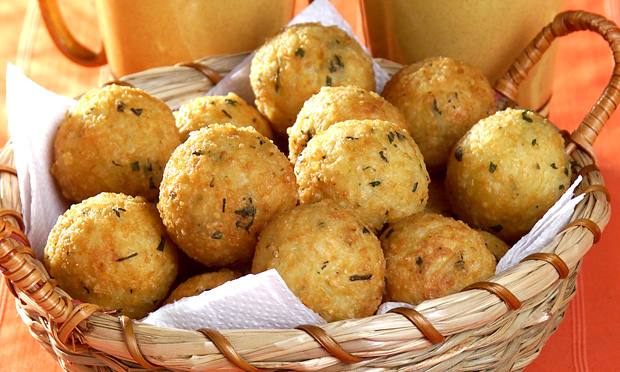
x,y
112,250
496,245
200,283
231,108
371,166
430,256
219,188
293,65
441,99
506,172
327,258
115,139
335,104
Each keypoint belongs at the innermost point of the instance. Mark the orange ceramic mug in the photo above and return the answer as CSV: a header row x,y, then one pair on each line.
x,y
141,34
489,34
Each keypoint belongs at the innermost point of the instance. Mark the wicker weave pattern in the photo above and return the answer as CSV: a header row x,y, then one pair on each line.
x,y
482,332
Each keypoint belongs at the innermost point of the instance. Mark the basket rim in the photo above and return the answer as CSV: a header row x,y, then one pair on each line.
x,y
372,337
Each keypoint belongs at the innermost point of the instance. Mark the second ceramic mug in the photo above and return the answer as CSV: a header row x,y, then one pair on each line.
x,y
141,34
489,34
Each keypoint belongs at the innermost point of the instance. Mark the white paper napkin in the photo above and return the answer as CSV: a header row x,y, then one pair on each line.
x,y
34,113
250,302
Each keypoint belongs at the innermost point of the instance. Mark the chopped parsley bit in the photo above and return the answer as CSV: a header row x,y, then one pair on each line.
x,y
277,79
534,142
118,211
339,62
561,187
492,167
324,265
231,102
415,187
224,205
566,171
137,112
554,166
525,117
162,244
354,278
226,113
120,107
328,81
435,106
537,166
211,184
197,153
460,264
247,217
300,52
115,163
391,137
383,156
134,254
496,228
458,154
309,134
332,67
217,235
375,183
400,136
135,166
365,230
351,138
419,261
321,224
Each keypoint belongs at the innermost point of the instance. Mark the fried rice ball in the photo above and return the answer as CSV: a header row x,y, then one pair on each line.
x,y
112,250
327,258
219,189
200,283
371,166
430,256
335,104
293,65
506,172
115,139
441,99
231,108
496,245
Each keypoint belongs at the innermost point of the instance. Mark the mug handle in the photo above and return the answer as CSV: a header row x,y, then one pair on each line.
x,y
64,40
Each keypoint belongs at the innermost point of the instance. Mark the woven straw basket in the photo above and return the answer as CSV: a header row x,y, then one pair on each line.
x,y
499,325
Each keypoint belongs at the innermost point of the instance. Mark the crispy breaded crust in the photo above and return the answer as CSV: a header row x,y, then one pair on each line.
x,y
293,65
112,250
115,139
430,256
219,189
327,257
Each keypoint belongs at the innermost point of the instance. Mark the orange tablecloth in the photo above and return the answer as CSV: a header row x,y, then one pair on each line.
x,y
585,340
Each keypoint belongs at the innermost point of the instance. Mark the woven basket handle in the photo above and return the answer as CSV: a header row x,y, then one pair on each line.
x,y
564,24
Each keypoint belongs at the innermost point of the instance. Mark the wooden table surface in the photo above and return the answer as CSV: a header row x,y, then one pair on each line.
x,y
586,339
